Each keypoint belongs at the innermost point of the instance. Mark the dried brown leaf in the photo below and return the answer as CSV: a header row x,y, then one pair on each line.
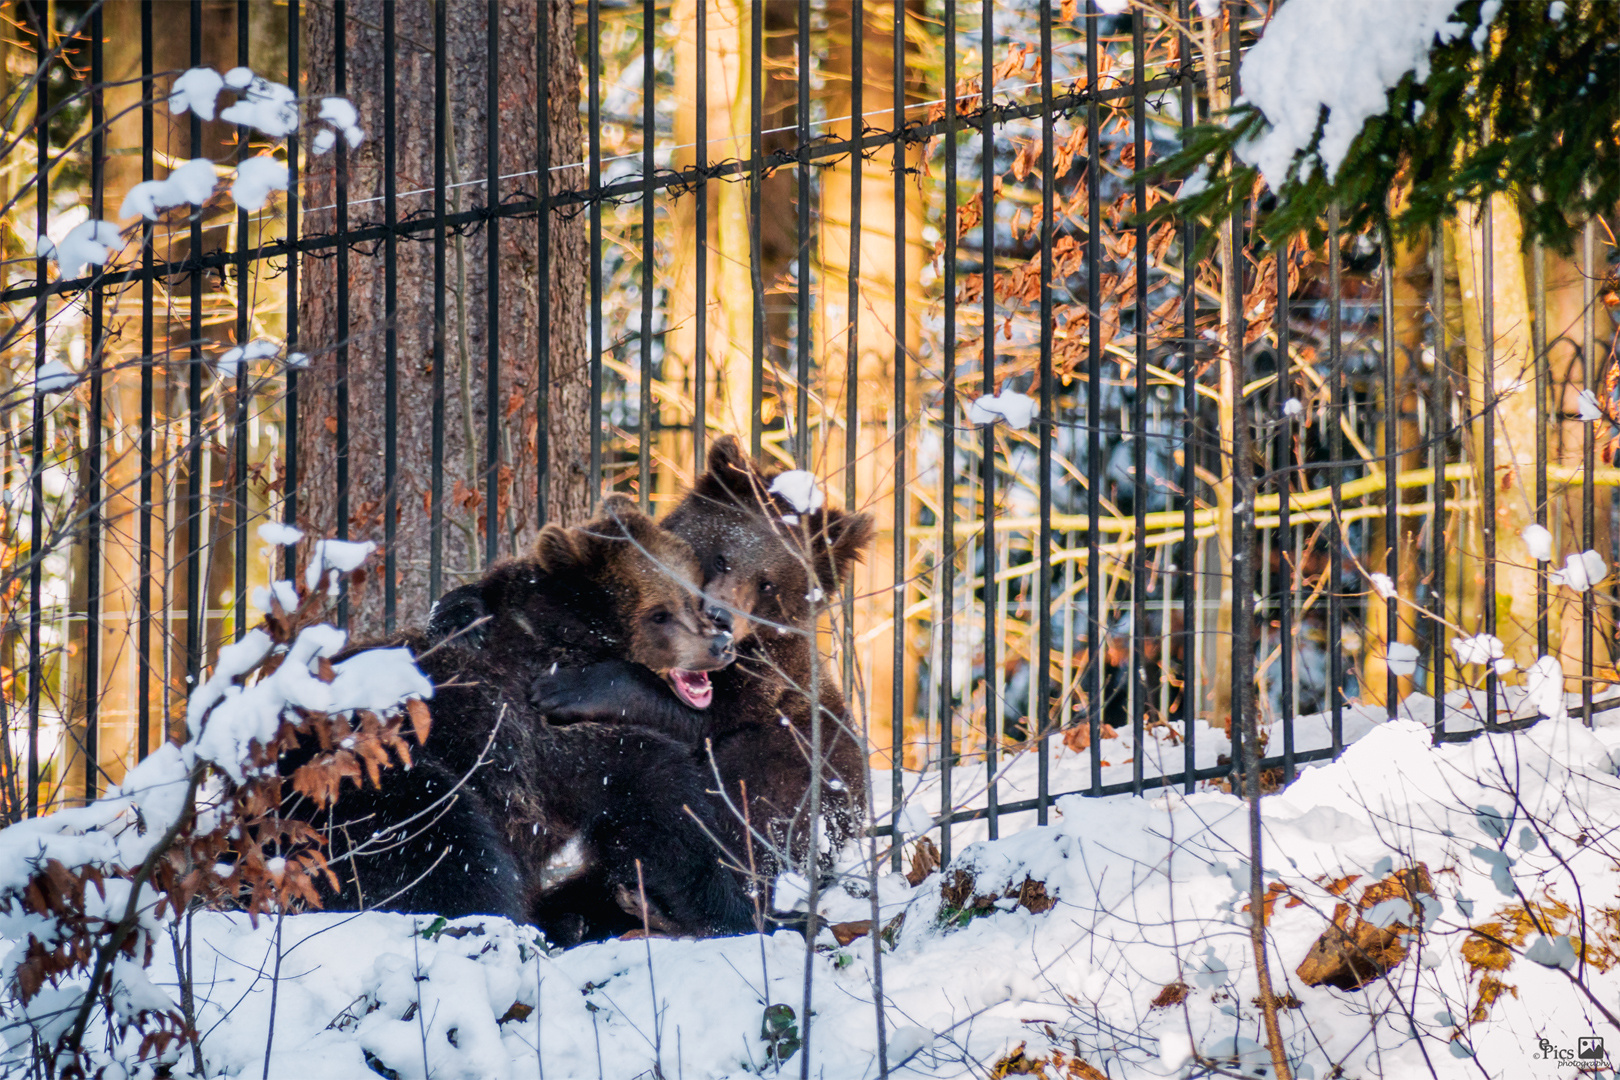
x,y
421,719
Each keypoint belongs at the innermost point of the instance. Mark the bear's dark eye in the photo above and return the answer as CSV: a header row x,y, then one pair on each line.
x,y
767,588
660,617
720,564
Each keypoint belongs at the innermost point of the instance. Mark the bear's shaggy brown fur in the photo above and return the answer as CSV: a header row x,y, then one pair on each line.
x,y
774,569
618,587
621,587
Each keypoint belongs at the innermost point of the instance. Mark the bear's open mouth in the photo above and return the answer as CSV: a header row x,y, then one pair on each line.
x,y
692,687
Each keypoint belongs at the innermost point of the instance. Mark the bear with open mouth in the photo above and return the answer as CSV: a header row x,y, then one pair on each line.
x,y
497,792
773,556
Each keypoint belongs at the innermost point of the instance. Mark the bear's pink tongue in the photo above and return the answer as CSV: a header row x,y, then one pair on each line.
x,y
693,687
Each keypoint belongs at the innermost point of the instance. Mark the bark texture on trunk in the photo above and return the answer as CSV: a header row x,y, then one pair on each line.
x,y
468,296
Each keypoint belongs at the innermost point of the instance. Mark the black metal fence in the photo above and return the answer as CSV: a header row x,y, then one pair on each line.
x,y
865,237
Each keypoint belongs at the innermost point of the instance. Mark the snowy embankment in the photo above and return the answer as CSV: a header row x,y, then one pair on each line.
x,y
1136,957
1164,754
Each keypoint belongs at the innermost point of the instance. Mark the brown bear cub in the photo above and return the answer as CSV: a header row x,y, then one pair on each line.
x,y
774,562
621,587
496,792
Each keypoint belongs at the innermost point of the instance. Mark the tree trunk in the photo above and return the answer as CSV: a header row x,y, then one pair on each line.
x,y
468,295
1410,265
728,305
1513,402
1565,337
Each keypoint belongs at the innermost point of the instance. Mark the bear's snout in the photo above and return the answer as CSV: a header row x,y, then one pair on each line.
x,y
720,644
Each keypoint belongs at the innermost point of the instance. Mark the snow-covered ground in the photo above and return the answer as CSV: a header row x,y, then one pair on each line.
x,y
1164,754
1149,892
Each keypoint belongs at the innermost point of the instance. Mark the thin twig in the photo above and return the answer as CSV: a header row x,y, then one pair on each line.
x,y
652,985
275,986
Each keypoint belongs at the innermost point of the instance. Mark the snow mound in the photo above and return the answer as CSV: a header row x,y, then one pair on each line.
x,y
90,243
192,182
1133,954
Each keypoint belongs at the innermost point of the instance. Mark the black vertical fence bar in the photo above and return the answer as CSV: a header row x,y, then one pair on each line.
x,y
987,460
36,475
756,176
98,359
1538,345
1189,433
244,296
648,140
492,296
1487,467
542,217
289,507
1139,432
897,634
1245,719
441,122
801,350
340,56
1040,723
390,323
801,456
196,603
852,299
593,348
1285,529
947,539
1096,637
143,720
1392,416
1588,464
700,294
1440,435
1336,415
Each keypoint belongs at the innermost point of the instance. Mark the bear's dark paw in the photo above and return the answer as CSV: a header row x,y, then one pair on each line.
x,y
606,692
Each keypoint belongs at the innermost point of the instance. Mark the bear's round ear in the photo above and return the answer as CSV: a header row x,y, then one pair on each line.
x,y
461,615
619,519
840,540
726,454
619,506
730,476
557,549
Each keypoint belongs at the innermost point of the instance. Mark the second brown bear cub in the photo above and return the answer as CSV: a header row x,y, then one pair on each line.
x,y
774,564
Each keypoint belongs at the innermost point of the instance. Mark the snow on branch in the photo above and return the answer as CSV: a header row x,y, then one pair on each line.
x,y
1018,409
1326,56
270,108
801,491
